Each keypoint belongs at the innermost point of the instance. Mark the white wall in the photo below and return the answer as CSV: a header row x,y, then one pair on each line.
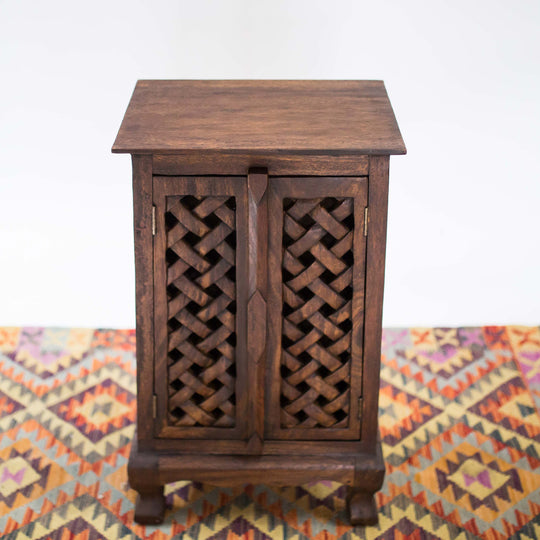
x,y
464,79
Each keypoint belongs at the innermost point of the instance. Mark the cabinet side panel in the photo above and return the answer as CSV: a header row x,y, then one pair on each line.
x,y
376,250
142,216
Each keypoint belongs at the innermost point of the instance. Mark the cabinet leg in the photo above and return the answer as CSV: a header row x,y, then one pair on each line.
x,y
143,477
361,506
150,505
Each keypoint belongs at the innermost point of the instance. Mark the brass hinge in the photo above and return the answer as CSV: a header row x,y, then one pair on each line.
x,y
360,406
154,406
366,219
153,221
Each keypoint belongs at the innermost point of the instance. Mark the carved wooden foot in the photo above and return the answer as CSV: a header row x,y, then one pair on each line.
x,y
362,507
150,506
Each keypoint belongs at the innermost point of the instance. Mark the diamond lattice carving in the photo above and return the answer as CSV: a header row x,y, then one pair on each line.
x,y
317,296
201,287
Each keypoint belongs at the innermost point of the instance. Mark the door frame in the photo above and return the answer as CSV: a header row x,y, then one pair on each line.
x,y
307,188
169,186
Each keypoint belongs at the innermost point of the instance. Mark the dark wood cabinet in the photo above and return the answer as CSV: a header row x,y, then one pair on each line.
x,y
260,230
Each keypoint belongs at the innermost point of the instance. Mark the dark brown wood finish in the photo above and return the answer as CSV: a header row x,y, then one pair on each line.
x,y
186,163
314,369
142,216
257,245
259,297
368,478
150,505
280,470
376,244
271,446
200,365
265,117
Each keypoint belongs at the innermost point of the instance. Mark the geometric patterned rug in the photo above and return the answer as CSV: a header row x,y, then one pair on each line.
x,y
459,421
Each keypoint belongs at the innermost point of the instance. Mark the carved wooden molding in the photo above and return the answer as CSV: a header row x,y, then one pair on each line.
x,y
256,322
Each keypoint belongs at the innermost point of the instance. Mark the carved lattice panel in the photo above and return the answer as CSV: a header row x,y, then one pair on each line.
x,y
201,310
317,273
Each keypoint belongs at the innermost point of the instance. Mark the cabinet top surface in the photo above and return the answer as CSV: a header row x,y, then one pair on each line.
x,y
259,116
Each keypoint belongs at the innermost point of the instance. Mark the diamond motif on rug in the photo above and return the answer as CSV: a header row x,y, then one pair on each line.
x,y
446,357
447,361
480,482
391,412
16,473
510,406
98,411
521,408
101,409
401,413
477,479
26,474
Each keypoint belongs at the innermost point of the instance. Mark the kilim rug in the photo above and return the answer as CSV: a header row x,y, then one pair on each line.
x,y
460,425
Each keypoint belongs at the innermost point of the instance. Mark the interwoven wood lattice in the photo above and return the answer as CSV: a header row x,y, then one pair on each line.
x,y
201,287
317,296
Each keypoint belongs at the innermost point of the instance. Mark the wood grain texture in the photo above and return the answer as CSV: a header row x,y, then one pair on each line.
x,y
188,163
369,473
257,183
143,476
362,472
234,470
272,447
142,226
374,288
341,117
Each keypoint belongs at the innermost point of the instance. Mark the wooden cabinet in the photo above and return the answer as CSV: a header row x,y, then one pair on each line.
x,y
260,230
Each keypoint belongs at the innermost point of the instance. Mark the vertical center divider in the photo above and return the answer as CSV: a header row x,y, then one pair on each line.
x,y
257,183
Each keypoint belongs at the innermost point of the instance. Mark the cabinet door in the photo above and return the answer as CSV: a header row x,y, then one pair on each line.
x,y
316,307
199,309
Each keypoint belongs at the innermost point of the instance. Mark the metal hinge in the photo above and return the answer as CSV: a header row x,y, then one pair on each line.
x,y
366,219
360,407
154,406
153,221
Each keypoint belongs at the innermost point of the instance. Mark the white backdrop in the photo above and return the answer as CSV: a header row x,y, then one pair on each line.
x,y
463,77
